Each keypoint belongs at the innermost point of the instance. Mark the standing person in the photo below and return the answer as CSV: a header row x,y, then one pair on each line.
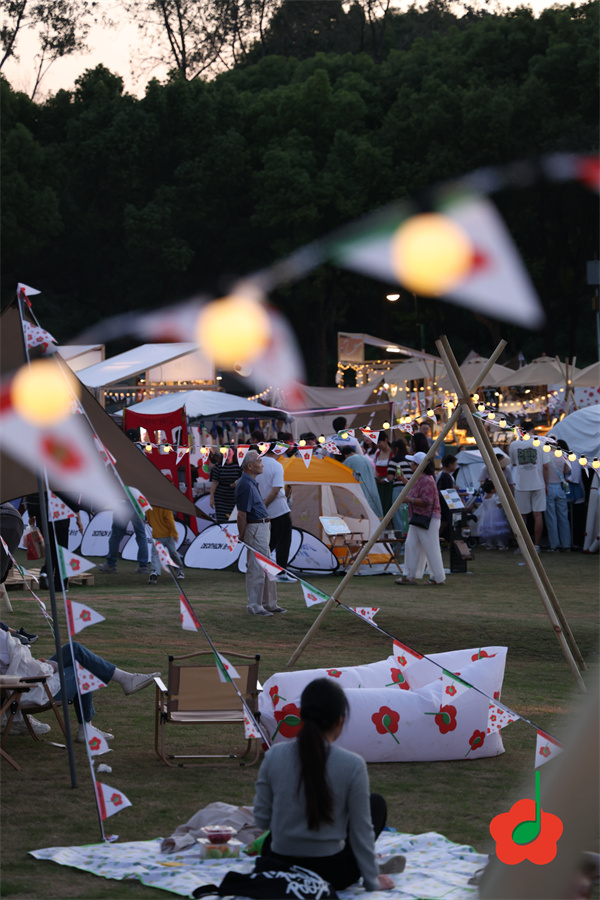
x,y
557,472
223,478
162,523
339,425
381,461
254,529
272,490
314,798
365,475
528,473
445,482
493,529
399,471
422,543
117,533
425,428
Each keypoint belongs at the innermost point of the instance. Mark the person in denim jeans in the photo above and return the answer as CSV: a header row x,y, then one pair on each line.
x,y
557,509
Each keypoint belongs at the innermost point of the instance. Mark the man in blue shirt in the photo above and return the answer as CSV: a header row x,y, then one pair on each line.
x,y
254,529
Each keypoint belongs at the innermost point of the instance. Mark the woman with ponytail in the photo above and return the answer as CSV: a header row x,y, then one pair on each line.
x,y
314,797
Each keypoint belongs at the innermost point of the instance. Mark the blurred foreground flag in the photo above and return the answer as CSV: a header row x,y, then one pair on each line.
x,y
462,251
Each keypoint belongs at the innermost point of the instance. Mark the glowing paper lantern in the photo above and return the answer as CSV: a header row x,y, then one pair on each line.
x,y
431,254
41,393
233,330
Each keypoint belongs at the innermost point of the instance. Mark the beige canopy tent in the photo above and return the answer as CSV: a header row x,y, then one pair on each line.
x,y
472,368
543,370
589,377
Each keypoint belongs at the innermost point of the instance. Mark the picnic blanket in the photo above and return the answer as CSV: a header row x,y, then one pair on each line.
x,y
435,867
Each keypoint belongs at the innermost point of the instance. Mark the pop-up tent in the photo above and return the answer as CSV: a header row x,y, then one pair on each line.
x,y
328,488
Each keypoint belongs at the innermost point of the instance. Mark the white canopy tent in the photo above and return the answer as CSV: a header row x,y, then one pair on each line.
x,y
322,405
589,377
581,431
208,405
81,356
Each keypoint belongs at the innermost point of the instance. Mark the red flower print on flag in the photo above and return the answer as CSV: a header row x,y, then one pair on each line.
x,y
95,743
75,564
399,679
66,457
335,673
85,615
545,751
482,654
288,721
386,721
402,660
116,799
476,741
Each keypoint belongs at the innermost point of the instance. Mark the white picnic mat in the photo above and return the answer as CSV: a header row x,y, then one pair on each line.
x,y
436,868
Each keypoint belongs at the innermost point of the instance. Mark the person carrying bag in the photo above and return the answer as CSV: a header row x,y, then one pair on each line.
x,y
423,539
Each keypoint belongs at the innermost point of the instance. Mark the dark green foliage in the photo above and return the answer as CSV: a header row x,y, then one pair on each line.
x,y
113,203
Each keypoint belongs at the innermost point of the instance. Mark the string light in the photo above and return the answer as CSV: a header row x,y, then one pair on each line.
x,y
547,448
430,413
344,435
596,463
536,442
571,457
481,407
582,461
386,425
558,453
526,436
321,438
302,443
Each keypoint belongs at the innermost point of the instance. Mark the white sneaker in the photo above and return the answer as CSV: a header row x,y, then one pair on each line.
x,y
20,727
283,577
135,681
260,612
80,737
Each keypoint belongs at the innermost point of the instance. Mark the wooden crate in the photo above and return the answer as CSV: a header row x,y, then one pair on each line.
x,y
85,578
14,580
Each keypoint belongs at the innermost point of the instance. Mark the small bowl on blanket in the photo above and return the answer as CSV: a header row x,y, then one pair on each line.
x,y
218,834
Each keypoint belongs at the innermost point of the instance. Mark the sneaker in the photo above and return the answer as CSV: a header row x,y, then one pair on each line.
x,y
31,638
537,549
180,575
153,579
260,612
283,577
393,866
141,570
104,567
20,727
278,609
135,681
80,736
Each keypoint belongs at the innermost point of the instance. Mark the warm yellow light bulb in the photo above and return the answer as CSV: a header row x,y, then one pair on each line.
x,y
547,447
386,425
41,393
263,448
430,413
224,450
481,407
571,457
596,464
491,415
536,442
233,330
583,461
302,443
344,435
431,254
526,436
558,453
475,398
502,423
321,438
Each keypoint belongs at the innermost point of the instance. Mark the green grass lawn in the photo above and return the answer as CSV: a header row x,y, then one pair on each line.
x,y
496,604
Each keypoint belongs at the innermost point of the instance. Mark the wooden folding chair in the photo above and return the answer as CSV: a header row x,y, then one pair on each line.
x,y
196,696
13,699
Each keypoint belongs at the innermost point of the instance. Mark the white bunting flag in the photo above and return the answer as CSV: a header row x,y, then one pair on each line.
x,y
164,556
110,800
97,744
332,447
87,681
251,728
546,748
189,622
71,564
38,337
404,656
372,435
499,716
452,686
231,670
312,595
306,454
181,451
28,291
242,449
105,454
80,616
65,448
270,568
278,449
204,453
57,509
230,539
366,612
139,501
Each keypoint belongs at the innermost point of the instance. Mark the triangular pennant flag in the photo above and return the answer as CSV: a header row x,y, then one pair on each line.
x,y
97,743
452,685
204,453
312,595
306,454
105,454
491,278
372,435
71,564
404,656
38,337
242,449
278,449
57,509
28,291
110,801
546,748
181,451
231,539
251,729
140,504
262,448
164,556
80,616
87,681
366,612
499,717
332,447
223,664
189,622
270,568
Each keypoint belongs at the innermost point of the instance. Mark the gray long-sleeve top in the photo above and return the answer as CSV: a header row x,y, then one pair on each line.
x,y
278,806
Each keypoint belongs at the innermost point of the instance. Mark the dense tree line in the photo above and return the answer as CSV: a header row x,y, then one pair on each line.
x,y
112,202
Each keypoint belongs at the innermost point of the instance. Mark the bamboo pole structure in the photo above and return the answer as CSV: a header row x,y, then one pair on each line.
x,y
390,513
531,558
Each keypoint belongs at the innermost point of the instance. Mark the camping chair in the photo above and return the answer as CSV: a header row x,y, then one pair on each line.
x,y
197,696
13,699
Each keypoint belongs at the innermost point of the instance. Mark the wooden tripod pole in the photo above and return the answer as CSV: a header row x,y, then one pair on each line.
x,y
513,515
390,513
